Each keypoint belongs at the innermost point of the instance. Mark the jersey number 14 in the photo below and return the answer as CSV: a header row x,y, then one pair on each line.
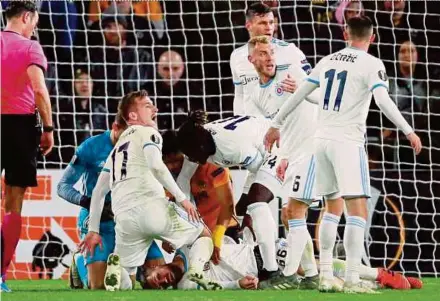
x,y
330,76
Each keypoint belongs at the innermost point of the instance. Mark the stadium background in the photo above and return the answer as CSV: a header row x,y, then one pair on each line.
x,y
76,35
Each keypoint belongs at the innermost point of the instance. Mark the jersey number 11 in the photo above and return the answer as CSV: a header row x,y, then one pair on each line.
x,y
342,77
123,148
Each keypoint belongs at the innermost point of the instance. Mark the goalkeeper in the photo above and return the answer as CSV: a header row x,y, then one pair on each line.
x,y
87,163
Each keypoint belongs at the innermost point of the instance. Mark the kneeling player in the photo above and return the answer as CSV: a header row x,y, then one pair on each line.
x,y
136,176
211,188
237,141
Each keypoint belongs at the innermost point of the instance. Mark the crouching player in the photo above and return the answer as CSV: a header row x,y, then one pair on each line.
x,y
211,189
90,156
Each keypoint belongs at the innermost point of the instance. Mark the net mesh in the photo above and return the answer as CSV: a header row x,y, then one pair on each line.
x,y
100,50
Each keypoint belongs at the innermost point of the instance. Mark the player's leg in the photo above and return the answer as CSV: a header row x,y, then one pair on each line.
x,y
326,185
299,187
97,264
351,168
19,142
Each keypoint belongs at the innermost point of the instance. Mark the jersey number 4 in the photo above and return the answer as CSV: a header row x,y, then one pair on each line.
x,y
330,76
234,121
123,148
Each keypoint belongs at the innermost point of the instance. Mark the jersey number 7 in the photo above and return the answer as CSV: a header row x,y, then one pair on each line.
x,y
342,77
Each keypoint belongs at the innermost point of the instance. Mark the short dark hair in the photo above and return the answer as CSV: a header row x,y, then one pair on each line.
x,y
170,143
360,26
125,103
257,9
16,8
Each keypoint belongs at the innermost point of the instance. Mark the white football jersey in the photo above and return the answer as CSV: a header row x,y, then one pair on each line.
x,y
299,128
245,76
239,141
132,182
346,79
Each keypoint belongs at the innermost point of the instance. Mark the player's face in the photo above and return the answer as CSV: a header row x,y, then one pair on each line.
x,y
263,58
408,55
174,163
146,111
162,277
261,25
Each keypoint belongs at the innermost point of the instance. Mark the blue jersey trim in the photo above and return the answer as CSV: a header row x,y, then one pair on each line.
x,y
377,86
267,84
149,143
313,81
105,169
237,83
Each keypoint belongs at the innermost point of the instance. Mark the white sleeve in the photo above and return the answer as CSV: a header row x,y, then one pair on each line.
x,y
101,189
153,155
299,75
377,76
389,108
238,104
184,179
292,102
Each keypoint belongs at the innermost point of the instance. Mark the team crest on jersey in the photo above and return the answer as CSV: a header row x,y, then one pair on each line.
x,y
279,90
382,75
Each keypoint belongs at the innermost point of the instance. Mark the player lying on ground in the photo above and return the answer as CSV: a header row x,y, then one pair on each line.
x,y
87,164
240,266
137,178
237,141
211,188
349,78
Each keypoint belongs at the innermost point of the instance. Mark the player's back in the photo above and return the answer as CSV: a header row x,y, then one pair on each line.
x,y
346,79
245,75
132,181
239,141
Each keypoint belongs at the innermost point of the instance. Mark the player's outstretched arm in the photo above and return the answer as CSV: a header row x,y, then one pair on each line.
x,y
184,179
66,189
389,108
101,189
273,134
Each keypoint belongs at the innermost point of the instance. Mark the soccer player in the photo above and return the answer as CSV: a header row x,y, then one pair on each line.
x,y
136,176
260,21
87,164
211,189
296,153
22,89
237,141
348,79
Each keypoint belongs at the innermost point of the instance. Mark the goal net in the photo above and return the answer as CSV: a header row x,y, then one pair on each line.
x,y
179,52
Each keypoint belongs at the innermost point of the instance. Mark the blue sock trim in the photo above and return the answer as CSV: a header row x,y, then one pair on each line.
x,y
297,223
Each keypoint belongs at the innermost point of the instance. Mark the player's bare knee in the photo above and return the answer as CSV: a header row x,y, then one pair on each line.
x,y
296,209
357,206
334,204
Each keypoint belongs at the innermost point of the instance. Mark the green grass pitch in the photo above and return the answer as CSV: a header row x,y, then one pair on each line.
x,y
57,290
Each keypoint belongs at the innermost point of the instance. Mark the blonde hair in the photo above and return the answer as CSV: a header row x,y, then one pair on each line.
x,y
258,40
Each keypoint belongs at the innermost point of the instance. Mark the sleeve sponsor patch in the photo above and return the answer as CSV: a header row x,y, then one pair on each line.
x,y
155,139
217,172
382,75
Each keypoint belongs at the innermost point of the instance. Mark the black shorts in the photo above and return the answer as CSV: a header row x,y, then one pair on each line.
x,y
20,138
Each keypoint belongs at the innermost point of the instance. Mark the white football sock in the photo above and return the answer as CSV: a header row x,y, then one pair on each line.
x,y
296,240
354,246
265,231
327,238
200,253
308,261
126,283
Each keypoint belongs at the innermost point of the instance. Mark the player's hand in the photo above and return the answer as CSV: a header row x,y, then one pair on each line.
x,y
281,169
272,136
168,247
215,258
289,84
416,144
248,282
193,215
89,243
46,143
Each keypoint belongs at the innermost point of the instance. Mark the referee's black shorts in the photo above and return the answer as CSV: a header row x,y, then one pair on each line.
x,y
19,149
